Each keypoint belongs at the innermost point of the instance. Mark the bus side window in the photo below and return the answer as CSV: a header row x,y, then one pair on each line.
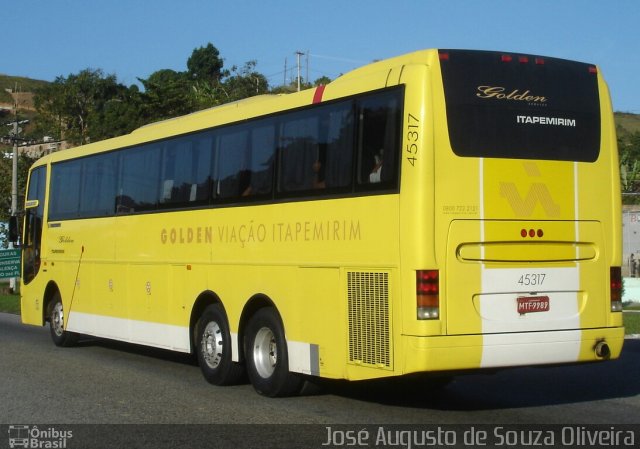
x,y
66,178
337,135
379,140
139,186
232,176
185,173
261,160
299,152
316,149
99,180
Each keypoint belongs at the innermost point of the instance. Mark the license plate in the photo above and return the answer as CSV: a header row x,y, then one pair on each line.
x,y
532,304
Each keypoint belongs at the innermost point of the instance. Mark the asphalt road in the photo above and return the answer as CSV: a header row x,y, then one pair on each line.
x,y
102,382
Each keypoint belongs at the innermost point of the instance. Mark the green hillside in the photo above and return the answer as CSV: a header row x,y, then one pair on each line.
x,y
23,85
627,123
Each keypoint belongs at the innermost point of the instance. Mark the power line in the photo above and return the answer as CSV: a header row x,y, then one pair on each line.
x,y
336,58
287,75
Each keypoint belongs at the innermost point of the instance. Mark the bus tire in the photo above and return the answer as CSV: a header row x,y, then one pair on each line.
x,y
59,335
213,348
267,356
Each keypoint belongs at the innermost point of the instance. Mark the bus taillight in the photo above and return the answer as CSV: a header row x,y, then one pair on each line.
x,y
428,294
616,289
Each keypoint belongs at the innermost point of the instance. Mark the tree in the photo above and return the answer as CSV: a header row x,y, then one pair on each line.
x,y
245,83
322,81
235,84
50,104
629,149
75,108
91,106
205,64
167,94
121,114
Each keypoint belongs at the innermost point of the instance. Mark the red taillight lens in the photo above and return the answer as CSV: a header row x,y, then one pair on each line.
x,y
428,294
616,289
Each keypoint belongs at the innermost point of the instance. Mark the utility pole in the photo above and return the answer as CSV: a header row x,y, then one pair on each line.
x,y
14,173
285,72
298,54
14,179
307,55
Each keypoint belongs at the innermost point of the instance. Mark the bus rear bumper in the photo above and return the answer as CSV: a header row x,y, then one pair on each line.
x,y
464,352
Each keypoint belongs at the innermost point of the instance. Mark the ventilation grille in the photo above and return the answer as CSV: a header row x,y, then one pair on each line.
x,y
369,326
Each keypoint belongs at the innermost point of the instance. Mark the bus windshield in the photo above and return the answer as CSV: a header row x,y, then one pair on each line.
x,y
522,107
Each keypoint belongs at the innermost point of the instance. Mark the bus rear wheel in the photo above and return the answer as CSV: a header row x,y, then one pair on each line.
x,y
59,335
267,356
213,346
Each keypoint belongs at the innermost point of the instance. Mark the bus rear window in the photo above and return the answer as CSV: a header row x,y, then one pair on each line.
x,y
522,107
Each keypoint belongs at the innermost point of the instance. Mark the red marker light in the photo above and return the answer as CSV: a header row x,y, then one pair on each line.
x,y
506,58
523,59
443,56
539,61
593,69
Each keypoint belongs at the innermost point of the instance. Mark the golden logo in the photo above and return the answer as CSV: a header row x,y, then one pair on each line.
x,y
500,93
524,206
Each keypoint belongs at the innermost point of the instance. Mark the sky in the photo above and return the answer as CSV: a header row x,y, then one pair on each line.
x,y
43,39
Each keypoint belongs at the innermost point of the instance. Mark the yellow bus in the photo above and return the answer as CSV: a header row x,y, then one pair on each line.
x,y
441,211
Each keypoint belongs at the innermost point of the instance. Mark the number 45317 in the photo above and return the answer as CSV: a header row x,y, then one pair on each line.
x,y
531,279
413,137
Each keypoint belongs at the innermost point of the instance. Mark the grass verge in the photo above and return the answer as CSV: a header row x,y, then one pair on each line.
x,y
631,323
10,304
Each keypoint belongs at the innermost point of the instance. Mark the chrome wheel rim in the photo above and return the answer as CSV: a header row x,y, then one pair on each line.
x,y
211,345
265,353
57,319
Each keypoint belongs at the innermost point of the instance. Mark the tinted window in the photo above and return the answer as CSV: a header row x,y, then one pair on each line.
x,y
33,225
524,107
313,150
37,185
99,185
379,140
316,148
232,174
186,170
66,180
140,176
261,163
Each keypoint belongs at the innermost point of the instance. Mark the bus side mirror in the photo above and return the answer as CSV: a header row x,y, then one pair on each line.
x,y
13,229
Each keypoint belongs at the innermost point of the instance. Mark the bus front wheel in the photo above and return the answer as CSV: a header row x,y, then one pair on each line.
x,y
213,343
267,357
57,326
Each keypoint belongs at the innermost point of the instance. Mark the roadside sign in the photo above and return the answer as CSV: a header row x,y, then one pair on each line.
x,y
9,263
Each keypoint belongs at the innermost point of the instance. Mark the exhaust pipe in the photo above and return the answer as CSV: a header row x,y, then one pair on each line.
x,y
602,350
